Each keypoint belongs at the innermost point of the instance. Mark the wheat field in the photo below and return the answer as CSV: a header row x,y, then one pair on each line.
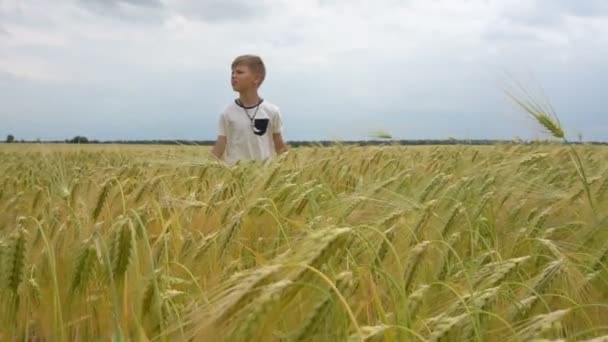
x,y
390,243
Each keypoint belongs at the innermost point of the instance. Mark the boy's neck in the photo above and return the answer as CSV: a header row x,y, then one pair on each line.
x,y
249,98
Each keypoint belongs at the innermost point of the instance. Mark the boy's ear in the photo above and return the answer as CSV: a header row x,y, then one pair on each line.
x,y
258,79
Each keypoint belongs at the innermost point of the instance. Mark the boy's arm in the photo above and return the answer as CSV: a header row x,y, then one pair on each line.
x,y
279,144
277,136
220,146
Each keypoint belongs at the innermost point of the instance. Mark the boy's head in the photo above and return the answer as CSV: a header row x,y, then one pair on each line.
x,y
247,71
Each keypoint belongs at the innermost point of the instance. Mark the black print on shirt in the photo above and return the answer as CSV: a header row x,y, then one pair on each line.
x,y
261,125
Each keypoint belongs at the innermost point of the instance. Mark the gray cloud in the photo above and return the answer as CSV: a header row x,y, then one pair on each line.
x,y
587,8
529,24
23,14
6,76
221,10
501,34
152,11
552,12
117,3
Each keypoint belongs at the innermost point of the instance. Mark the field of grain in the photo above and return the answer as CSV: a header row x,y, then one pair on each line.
x,y
459,243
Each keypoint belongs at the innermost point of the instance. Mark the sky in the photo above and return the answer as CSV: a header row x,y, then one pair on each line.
x,y
337,69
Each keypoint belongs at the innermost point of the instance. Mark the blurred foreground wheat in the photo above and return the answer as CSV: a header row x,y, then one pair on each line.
x,y
325,244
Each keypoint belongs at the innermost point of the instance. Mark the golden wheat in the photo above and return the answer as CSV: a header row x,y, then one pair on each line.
x,y
364,243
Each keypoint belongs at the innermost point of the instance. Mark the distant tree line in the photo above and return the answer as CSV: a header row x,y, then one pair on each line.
x,y
78,140
303,143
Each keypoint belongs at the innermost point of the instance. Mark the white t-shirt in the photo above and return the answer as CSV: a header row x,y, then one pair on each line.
x,y
244,141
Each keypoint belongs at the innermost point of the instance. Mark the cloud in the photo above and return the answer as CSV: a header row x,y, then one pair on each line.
x,y
150,11
588,8
8,77
148,69
203,10
117,4
221,10
543,13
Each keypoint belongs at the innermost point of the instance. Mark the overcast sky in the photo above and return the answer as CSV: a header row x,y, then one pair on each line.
x,y
338,69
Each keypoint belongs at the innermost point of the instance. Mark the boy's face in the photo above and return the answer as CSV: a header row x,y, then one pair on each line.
x,y
243,78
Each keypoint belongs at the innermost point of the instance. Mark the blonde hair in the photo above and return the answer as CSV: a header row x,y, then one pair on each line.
x,y
253,62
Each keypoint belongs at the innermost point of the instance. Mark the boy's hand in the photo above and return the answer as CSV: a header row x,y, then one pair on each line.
x,y
279,145
220,146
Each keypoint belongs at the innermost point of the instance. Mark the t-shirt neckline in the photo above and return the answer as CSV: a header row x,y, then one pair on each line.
x,y
238,103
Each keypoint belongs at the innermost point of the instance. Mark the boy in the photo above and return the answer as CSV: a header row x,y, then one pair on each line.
x,y
250,128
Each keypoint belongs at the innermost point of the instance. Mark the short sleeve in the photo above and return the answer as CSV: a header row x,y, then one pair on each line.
x,y
222,125
277,123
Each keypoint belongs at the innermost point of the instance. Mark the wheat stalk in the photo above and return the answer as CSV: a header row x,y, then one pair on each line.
x,y
254,323
345,284
370,333
235,298
414,300
122,249
541,323
84,267
14,260
598,339
443,326
412,265
101,200
546,117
